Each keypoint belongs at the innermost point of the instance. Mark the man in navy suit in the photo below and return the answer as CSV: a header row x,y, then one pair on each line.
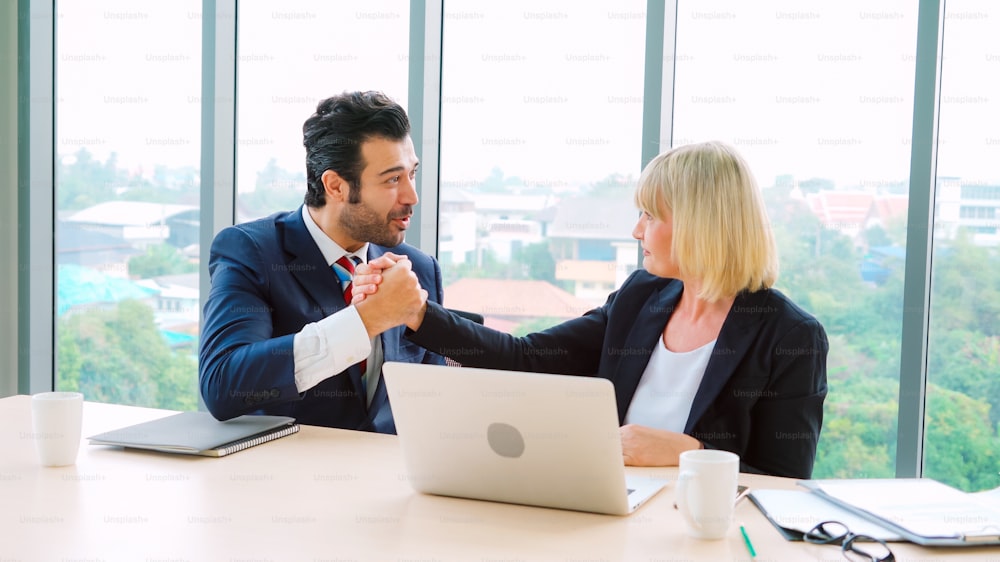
x,y
277,336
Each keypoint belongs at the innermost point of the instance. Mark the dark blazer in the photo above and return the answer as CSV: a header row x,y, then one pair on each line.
x,y
762,393
269,279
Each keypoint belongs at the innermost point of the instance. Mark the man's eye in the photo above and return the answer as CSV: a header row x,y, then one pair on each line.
x,y
394,179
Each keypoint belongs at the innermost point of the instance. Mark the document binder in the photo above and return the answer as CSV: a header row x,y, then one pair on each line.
x,y
198,433
921,510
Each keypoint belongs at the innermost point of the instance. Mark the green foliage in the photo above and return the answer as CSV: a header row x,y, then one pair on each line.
x,y
961,444
276,189
859,428
815,185
160,259
117,355
614,185
535,325
82,182
541,264
487,268
820,272
85,182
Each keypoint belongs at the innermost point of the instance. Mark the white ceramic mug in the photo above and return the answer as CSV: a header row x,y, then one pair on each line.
x,y
706,491
56,420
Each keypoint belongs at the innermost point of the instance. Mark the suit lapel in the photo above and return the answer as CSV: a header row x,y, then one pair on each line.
x,y
640,342
307,264
737,335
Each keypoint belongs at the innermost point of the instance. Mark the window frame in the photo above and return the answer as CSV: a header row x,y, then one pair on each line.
x,y
35,158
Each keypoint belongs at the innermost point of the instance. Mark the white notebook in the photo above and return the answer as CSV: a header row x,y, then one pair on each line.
x,y
198,433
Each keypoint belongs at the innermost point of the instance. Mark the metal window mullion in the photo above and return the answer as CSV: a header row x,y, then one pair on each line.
x,y
919,240
218,128
36,196
658,83
424,110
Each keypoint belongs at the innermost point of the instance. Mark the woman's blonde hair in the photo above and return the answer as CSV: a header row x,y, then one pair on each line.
x,y
721,233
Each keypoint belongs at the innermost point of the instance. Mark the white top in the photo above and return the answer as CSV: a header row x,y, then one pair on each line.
x,y
325,348
666,390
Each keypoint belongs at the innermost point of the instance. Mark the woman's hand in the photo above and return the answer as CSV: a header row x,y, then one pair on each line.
x,y
646,446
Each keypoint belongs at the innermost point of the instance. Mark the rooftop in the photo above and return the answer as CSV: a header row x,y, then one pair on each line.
x,y
513,299
129,213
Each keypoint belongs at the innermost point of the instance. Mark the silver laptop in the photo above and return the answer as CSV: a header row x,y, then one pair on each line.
x,y
524,438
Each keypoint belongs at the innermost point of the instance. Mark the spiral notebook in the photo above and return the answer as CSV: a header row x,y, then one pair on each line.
x,y
198,433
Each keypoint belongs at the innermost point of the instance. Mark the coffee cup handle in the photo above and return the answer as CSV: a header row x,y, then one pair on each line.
x,y
683,505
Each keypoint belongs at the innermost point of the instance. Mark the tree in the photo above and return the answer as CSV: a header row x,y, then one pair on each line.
x,y
962,445
613,185
83,182
160,259
117,355
535,325
276,189
541,265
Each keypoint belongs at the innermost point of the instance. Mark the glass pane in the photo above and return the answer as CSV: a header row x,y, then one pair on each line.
x,y
539,156
961,445
289,58
128,137
818,97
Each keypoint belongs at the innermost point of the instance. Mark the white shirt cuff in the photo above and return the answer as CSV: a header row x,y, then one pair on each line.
x,y
328,347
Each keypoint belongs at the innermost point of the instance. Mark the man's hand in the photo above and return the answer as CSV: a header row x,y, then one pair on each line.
x,y
399,299
645,446
367,276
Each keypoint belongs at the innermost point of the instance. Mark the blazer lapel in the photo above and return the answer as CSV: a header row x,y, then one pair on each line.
x,y
307,264
737,335
640,342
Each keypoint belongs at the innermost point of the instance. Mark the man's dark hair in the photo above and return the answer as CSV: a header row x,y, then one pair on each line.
x,y
334,134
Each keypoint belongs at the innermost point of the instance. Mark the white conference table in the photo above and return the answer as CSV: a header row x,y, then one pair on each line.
x,y
327,495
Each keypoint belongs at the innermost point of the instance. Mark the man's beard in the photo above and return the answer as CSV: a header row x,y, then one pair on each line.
x,y
365,225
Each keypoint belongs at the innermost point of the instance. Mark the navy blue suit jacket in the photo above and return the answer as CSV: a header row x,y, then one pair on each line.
x,y
764,386
269,279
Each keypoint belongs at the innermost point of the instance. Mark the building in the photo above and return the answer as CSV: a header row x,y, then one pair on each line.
x,y
94,249
970,206
141,224
505,303
594,250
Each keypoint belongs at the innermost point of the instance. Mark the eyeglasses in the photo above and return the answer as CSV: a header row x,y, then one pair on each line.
x,y
870,549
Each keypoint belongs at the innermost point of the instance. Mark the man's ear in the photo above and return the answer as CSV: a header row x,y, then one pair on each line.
x,y
335,187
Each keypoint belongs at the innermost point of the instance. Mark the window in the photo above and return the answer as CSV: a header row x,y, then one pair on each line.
x,y
128,142
961,445
291,56
818,97
540,151
540,125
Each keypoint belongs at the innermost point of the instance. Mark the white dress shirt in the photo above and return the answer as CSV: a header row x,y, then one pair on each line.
x,y
328,347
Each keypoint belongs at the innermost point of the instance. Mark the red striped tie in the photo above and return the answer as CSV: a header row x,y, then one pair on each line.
x,y
344,268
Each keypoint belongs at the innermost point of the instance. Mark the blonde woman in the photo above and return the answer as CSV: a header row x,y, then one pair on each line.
x,y
702,351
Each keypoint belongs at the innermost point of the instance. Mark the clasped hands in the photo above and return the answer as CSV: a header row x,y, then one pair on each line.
x,y
387,294
386,291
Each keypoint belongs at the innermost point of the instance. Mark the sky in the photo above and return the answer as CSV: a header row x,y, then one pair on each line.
x,y
547,91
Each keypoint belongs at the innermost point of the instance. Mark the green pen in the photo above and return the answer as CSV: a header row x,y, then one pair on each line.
x,y
746,541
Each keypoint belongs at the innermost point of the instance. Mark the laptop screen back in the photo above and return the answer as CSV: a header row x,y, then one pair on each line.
x,y
526,438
